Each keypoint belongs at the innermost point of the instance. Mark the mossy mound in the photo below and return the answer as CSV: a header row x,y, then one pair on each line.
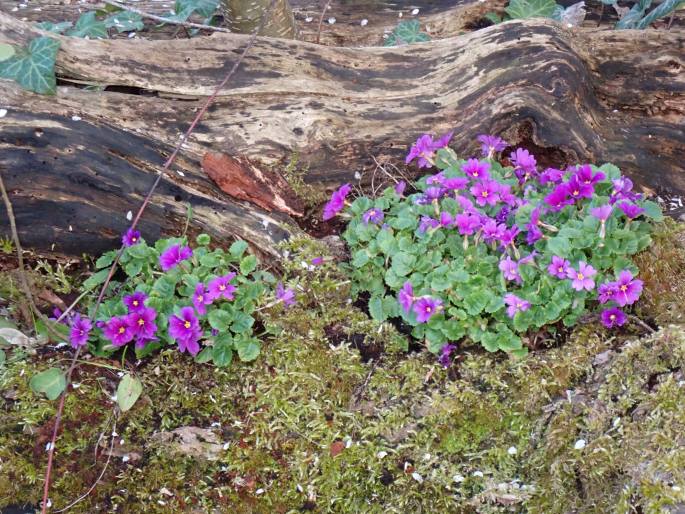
x,y
334,417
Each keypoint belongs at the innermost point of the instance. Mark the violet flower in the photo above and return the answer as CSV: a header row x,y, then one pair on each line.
x,y
445,352
434,193
317,261
606,292
446,219
515,304
485,192
524,164
492,231
400,187
118,331
510,269
337,202
131,237
631,210
550,176
454,183
467,223
579,190
613,317
285,295
476,169
628,289
585,175
185,329
220,287
374,216
174,255
426,223
79,331
582,277
142,341
424,149
135,302
490,145
602,212
559,267
558,198
508,236
142,323
425,307
622,190
201,298
406,297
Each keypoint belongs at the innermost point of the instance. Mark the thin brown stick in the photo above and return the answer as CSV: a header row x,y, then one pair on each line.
x,y
644,325
323,13
165,20
146,201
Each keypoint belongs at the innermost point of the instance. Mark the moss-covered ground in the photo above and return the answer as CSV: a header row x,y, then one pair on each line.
x,y
335,417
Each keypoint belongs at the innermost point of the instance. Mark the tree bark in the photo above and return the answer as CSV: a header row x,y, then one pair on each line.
x,y
567,95
244,16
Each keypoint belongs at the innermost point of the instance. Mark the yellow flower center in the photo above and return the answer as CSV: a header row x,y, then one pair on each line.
x,y
576,193
122,330
624,288
141,322
222,287
484,194
200,298
134,239
560,269
135,303
187,324
428,309
612,317
475,173
519,305
581,276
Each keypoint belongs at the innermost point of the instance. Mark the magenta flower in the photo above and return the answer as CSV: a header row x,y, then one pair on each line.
x,y
490,145
185,329
426,223
201,298
424,149
623,190
558,199
374,216
492,231
445,352
446,219
118,331
79,331
630,209
435,193
173,256
400,187
485,192
425,307
131,237
508,236
285,295
585,175
602,212
628,289
551,176
141,342
515,304
337,202
476,169
142,323
510,269
220,287
524,164
606,292
465,204
454,183
317,261
467,223
135,302
582,277
506,196
613,317
579,190
406,297
559,267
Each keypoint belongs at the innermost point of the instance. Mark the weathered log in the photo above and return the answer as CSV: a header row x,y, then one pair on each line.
x,y
569,95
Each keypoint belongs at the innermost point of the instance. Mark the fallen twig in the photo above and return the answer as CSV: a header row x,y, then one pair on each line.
x,y
146,201
323,13
165,20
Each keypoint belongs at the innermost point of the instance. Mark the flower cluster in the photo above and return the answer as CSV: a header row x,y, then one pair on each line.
x,y
488,252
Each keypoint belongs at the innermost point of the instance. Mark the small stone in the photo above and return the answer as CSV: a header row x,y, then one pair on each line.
x,y
512,450
76,118
165,492
458,478
414,12
259,491
3,113
381,454
478,474
125,458
417,477
364,22
308,19
180,173
129,215
331,20
580,444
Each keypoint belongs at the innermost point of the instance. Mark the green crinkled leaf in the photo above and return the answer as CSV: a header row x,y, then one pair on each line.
x,y
124,21
203,239
559,246
242,322
88,26
128,392
406,33
222,352
248,348
57,28
248,264
50,382
219,319
105,259
519,9
652,209
96,279
33,68
164,287
402,263
3,358
206,355
376,309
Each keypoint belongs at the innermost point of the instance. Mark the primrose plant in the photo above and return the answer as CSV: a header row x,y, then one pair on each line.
x,y
200,300
486,253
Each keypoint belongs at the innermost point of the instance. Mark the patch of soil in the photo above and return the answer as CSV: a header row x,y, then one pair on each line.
x,y
368,350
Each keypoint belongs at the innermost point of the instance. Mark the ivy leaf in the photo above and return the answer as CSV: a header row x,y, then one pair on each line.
x,y
51,382
6,51
57,28
88,26
634,15
124,21
184,8
33,68
406,33
519,9
128,392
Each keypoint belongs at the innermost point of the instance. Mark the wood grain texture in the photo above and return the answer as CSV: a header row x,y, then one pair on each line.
x,y
568,95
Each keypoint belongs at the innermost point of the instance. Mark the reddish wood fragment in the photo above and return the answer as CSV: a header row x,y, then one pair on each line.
x,y
336,448
243,179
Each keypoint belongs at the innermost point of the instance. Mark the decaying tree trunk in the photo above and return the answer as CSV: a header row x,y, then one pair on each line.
x,y
244,16
75,163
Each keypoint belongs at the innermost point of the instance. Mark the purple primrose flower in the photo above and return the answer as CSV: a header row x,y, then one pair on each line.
x,y
424,149
585,175
582,277
285,295
425,307
131,237
485,192
606,292
142,323
524,164
135,302
185,329
337,202
445,352
613,317
220,287
510,269
174,255
559,267
602,212
400,187
201,298
630,209
628,289
406,297
551,176
467,223
476,169
515,304
490,145
374,216
79,331
118,331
